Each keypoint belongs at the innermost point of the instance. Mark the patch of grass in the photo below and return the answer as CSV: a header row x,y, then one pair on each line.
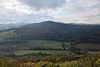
x,y
94,52
46,44
52,52
5,36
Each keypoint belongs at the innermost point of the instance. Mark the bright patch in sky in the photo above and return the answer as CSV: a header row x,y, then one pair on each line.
x,y
31,11
66,13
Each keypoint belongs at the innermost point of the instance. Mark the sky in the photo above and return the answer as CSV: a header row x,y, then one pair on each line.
x,y
34,11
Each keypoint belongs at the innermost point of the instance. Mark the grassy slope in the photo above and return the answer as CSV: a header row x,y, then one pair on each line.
x,y
4,36
24,47
43,43
7,35
53,52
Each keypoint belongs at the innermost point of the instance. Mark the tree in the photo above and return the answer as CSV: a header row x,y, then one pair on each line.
x,y
63,45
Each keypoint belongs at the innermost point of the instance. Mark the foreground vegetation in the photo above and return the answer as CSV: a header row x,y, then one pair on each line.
x,y
51,61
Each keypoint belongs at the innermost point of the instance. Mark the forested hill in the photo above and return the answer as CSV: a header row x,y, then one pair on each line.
x,y
49,30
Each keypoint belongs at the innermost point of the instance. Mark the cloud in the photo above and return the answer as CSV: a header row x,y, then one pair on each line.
x,y
81,11
44,4
30,11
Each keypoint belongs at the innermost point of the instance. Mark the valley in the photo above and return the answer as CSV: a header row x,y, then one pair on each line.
x,y
50,44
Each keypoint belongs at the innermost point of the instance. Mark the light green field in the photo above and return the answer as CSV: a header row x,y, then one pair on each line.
x,y
7,34
23,48
4,36
94,52
53,52
45,44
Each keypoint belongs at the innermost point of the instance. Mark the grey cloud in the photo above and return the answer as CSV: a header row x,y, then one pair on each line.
x,y
42,4
33,18
86,11
83,5
83,11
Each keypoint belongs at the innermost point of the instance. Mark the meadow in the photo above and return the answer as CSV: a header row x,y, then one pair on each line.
x,y
42,53
49,52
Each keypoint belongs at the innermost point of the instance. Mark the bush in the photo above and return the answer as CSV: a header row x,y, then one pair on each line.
x,y
52,61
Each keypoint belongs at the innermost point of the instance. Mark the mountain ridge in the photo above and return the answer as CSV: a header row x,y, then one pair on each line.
x,y
59,31
50,30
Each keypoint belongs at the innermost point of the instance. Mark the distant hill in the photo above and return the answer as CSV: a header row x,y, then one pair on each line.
x,y
48,34
50,30
10,26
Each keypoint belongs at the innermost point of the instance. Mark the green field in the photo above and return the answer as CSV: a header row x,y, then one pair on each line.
x,y
4,36
43,44
24,48
7,36
52,52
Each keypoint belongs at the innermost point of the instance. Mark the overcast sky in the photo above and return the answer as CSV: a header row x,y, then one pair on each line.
x,y
33,11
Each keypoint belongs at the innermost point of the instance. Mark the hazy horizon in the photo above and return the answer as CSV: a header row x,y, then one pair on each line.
x,y
35,11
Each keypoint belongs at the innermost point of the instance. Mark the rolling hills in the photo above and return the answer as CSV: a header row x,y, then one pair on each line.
x,y
55,31
49,30
48,34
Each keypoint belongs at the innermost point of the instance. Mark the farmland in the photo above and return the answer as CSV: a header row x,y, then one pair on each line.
x,y
37,46
50,52
50,45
